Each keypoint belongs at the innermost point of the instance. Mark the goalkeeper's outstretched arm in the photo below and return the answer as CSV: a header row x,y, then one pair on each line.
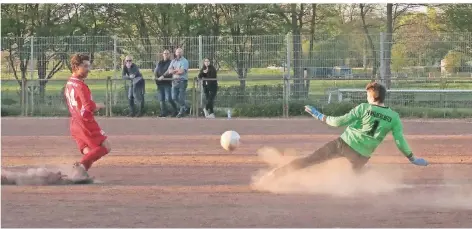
x,y
399,137
344,120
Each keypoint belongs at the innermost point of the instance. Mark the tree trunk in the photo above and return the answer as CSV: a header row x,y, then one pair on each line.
x,y
375,63
42,71
312,44
297,52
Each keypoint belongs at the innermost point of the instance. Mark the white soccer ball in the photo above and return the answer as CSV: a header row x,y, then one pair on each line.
x,y
230,140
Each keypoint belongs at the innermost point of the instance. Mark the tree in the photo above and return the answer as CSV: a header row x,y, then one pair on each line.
x,y
364,10
15,39
394,12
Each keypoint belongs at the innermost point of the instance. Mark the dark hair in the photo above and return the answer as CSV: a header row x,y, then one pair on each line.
x,y
78,59
378,91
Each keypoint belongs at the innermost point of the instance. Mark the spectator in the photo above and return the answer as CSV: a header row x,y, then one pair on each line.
x,y
179,70
210,86
164,84
136,90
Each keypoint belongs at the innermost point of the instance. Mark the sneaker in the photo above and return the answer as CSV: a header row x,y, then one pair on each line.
x,y
79,172
211,115
205,111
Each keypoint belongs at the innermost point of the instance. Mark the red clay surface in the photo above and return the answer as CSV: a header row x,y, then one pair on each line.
x,y
173,173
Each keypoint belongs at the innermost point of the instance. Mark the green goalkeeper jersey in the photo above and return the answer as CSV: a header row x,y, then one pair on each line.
x,y
367,127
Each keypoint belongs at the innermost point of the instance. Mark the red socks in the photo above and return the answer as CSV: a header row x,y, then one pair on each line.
x,y
92,156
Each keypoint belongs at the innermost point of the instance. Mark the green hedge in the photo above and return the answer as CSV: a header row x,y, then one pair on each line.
x,y
253,102
337,109
274,109
258,94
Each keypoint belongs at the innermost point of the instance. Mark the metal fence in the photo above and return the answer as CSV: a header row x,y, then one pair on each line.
x,y
258,98
323,56
252,70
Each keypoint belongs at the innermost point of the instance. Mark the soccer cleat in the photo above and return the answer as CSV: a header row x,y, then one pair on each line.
x,y
211,115
79,172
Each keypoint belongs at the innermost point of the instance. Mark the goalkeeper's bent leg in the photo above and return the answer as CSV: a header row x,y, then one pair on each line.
x,y
330,150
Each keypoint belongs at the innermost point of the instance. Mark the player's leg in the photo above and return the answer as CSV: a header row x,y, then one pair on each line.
x,y
206,110
131,101
357,160
213,91
182,87
162,100
138,94
329,151
99,147
168,94
175,96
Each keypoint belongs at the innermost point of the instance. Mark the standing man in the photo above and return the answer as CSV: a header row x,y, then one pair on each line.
x,y
179,70
164,84
136,90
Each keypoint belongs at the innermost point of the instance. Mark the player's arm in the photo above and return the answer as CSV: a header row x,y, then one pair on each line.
x,y
156,71
88,105
134,71
353,115
124,73
183,67
170,69
402,144
344,120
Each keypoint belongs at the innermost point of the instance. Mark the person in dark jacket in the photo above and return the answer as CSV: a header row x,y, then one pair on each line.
x,y
210,86
136,90
164,84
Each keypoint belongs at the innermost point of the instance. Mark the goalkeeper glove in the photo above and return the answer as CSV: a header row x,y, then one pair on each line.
x,y
314,112
417,161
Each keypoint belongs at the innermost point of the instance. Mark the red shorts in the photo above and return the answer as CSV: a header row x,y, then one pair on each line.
x,y
87,135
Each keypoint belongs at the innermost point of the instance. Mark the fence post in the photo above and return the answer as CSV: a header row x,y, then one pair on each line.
x,y
286,84
200,51
107,97
382,56
115,65
112,98
194,99
23,97
200,56
32,75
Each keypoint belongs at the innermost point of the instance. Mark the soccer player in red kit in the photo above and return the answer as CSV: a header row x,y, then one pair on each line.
x,y
90,138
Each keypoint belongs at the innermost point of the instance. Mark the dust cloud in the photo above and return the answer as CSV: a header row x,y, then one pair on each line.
x,y
334,177
456,189
41,175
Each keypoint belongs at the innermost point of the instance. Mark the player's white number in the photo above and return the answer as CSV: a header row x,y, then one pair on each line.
x,y
71,97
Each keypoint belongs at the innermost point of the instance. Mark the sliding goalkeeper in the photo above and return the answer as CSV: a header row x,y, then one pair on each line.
x,y
367,125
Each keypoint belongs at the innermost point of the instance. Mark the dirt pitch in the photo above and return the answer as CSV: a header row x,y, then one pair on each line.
x,y
173,173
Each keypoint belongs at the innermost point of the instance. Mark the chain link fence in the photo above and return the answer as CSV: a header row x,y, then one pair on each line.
x,y
259,97
280,71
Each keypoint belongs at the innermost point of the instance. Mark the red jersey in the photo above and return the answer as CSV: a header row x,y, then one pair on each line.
x,y
80,103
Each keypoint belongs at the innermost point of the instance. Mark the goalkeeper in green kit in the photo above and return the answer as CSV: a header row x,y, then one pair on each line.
x,y
367,125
